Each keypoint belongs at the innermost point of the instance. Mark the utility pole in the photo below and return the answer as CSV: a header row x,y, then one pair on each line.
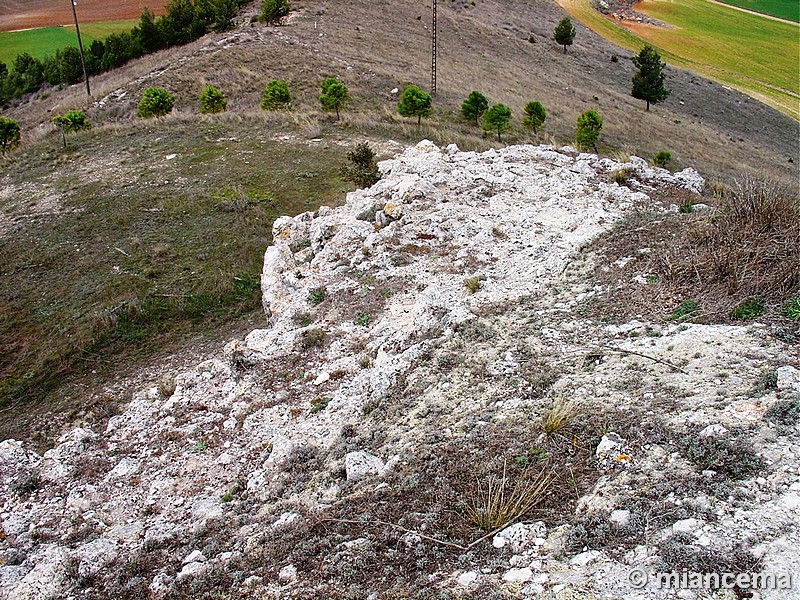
x,y
80,48
433,51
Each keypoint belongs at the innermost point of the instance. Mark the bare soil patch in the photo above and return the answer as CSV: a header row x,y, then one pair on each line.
x,y
15,15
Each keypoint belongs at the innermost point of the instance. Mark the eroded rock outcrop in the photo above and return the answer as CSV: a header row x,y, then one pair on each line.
x,y
431,314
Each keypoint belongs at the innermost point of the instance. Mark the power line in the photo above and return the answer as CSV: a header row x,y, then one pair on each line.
x,y
433,51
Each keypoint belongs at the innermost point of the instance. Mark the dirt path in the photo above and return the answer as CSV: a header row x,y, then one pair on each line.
x,y
16,15
752,12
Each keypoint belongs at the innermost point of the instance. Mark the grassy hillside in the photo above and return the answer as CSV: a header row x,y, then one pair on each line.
x,y
756,55
150,234
46,40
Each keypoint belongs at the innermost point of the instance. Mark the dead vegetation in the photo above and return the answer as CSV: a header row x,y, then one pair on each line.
x,y
735,261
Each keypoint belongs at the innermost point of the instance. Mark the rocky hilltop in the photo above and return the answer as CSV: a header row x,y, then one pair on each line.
x,y
429,363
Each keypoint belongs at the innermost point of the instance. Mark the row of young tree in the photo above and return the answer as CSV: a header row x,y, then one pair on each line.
x,y
183,22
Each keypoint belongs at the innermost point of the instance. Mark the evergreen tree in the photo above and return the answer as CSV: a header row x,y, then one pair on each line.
x,y
415,103
648,82
588,129
564,33
363,169
334,95
71,121
276,96
497,118
212,100
272,11
535,114
150,34
474,106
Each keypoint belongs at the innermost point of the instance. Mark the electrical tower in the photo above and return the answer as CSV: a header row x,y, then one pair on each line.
x,y
433,51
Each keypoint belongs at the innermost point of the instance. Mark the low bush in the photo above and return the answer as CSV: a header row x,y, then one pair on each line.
x,y
730,458
212,100
362,168
276,96
662,159
155,102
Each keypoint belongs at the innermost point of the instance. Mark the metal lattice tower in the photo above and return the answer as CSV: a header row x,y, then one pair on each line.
x,y
433,51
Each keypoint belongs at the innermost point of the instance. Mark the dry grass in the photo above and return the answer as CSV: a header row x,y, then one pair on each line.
x,y
735,260
748,249
561,415
498,501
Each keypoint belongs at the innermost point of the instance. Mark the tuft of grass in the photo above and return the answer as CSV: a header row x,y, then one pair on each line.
x,y
561,414
316,296
791,309
473,284
662,158
686,206
621,176
685,311
363,319
312,338
166,387
749,309
319,404
496,501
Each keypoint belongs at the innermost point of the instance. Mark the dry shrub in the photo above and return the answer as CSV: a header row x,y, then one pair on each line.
x,y
749,248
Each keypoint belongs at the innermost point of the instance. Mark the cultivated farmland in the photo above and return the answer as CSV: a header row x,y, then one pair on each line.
x,y
32,14
756,55
46,40
783,9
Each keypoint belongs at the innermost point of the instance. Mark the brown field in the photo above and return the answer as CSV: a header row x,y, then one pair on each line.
x,y
15,15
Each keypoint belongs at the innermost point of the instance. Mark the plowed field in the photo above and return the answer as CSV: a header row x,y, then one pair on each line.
x,y
16,14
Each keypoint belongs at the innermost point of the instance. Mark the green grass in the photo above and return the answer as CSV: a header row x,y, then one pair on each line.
x,y
755,55
785,9
46,40
148,250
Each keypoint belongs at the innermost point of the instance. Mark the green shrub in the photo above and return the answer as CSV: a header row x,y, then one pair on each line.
x,y
212,100
729,458
71,121
272,11
784,412
749,309
662,159
363,169
9,134
685,311
276,96
334,95
474,106
587,129
155,102
791,309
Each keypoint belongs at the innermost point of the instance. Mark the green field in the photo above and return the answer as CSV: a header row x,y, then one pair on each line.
x,y
755,55
784,9
46,40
